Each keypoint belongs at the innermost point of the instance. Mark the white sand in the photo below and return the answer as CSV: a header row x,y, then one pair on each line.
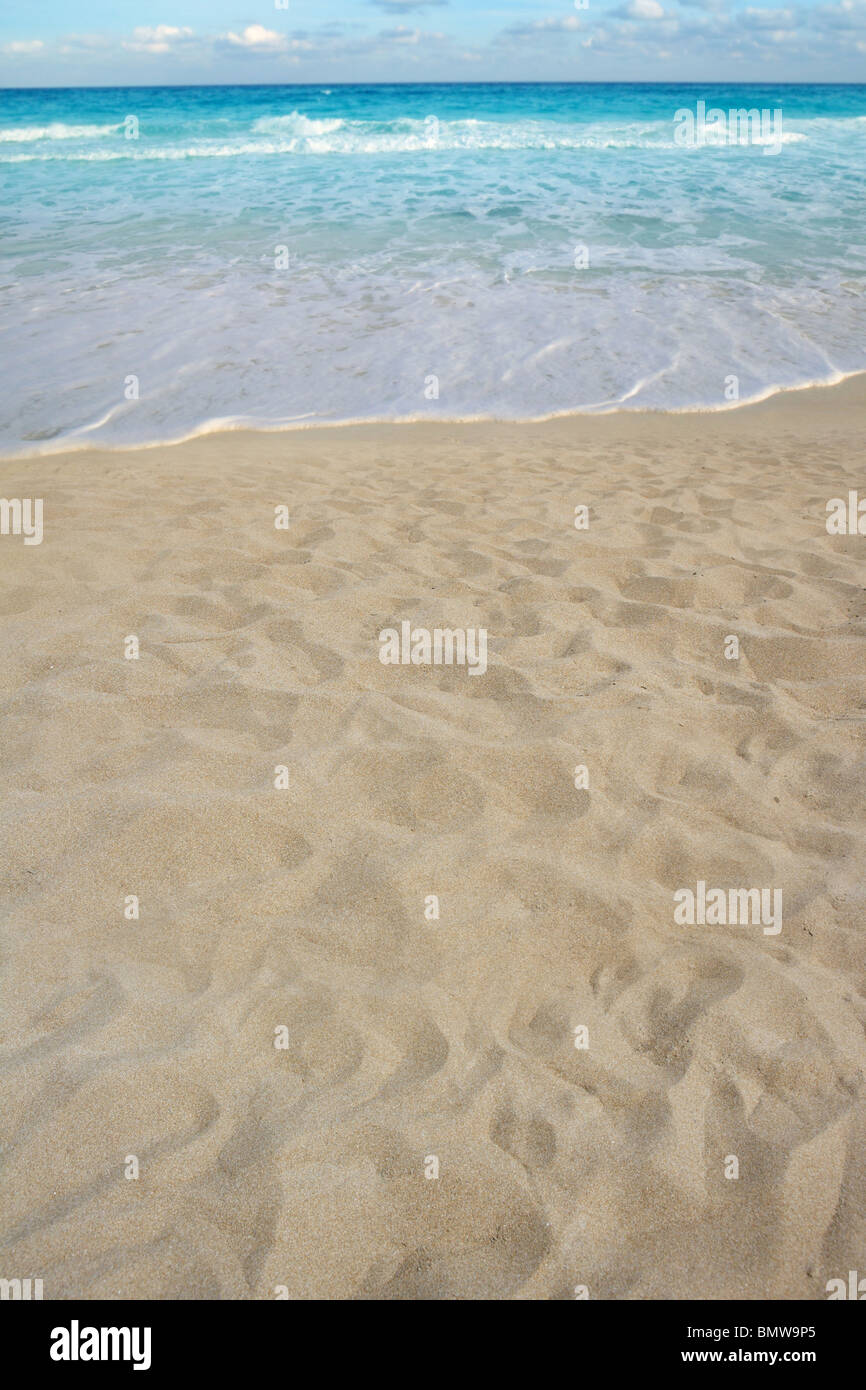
x,y
305,1167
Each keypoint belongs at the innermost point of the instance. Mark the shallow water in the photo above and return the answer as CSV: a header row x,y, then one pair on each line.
x,y
428,232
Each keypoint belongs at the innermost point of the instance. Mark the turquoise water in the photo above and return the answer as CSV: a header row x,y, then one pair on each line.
x,y
429,232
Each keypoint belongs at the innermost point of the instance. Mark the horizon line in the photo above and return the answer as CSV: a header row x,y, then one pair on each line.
x,y
430,82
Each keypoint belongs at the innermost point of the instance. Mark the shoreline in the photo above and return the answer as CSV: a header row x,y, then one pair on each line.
x,y
774,397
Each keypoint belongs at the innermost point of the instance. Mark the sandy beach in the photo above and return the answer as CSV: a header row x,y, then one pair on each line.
x,y
306,1169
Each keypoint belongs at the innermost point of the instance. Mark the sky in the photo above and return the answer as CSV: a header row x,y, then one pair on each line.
x,y
126,42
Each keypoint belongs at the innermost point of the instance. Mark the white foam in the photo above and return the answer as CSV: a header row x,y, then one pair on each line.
x,y
57,130
295,124
295,134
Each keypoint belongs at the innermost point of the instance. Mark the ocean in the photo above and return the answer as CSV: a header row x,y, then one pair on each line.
x,y
176,260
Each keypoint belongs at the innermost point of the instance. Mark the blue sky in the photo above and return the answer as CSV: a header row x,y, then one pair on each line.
x,y
119,42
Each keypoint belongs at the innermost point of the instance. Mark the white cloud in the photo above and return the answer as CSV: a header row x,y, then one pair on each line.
x,y
772,19
644,9
258,38
156,40
557,26
401,35
539,27
847,15
23,46
404,6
